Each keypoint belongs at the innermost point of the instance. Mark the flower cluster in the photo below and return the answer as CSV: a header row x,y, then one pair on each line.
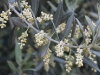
x,y
87,33
92,58
65,47
69,62
24,4
28,15
23,39
40,39
46,60
60,28
45,17
79,57
4,18
77,32
60,48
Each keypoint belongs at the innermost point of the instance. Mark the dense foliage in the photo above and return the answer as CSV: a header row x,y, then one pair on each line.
x,y
50,37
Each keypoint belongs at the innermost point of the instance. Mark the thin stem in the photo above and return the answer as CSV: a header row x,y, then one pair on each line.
x,y
34,19
55,29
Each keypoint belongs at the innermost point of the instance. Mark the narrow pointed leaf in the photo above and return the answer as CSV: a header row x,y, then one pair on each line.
x,y
81,27
35,5
97,25
19,5
12,66
52,5
90,23
90,63
45,49
39,66
68,25
28,55
18,55
97,53
59,60
73,28
65,16
58,14
18,22
12,36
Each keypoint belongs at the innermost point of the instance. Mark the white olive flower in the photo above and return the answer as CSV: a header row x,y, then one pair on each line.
x,y
23,39
60,48
60,28
40,39
46,59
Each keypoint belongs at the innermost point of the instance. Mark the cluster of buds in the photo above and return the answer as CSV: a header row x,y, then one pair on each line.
x,y
92,58
44,17
24,4
23,39
87,33
79,57
60,28
69,62
77,32
40,39
4,18
46,60
60,49
28,15
65,47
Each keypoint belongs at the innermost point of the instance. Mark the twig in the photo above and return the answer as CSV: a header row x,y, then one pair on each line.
x,y
48,37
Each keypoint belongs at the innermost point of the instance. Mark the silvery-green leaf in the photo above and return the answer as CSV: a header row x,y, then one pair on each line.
x,y
18,22
12,66
39,66
35,5
12,36
18,54
81,27
52,5
97,53
90,63
44,49
68,25
28,55
58,14
90,23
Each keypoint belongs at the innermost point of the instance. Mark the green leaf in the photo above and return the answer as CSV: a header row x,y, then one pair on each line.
x,y
90,63
12,66
90,24
97,53
73,28
18,22
12,36
19,5
18,55
58,14
52,5
39,66
28,55
45,49
35,5
81,28
68,26
28,65
65,16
